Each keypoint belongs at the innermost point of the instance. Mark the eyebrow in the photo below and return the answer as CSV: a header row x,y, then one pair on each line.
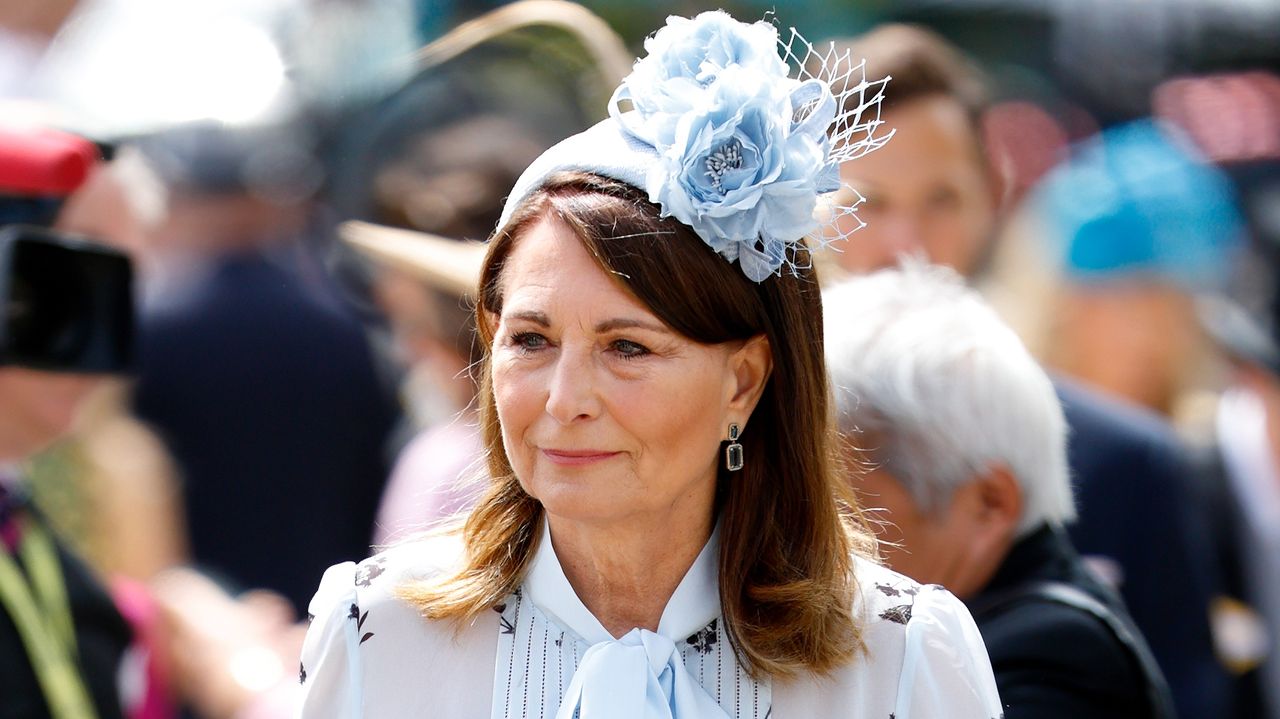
x,y
619,323
537,318
624,323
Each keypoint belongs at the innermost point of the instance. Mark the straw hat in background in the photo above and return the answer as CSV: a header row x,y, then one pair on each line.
x,y
430,172
445,264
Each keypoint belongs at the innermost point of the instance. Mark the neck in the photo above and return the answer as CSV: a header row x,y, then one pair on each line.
x,y
626,576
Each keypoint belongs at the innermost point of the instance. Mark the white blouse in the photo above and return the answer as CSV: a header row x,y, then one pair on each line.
x,y
370,654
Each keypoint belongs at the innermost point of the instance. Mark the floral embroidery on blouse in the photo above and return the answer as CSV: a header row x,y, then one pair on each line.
x,y
370,570
536,657
902,585
507,627
900,614
704,639
354,613
888,590
903,588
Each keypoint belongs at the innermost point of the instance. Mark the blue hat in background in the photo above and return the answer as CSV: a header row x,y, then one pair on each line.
x,y
1137,201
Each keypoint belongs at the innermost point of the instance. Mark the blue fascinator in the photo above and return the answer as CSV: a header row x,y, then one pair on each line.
x,y
1139,200
725,137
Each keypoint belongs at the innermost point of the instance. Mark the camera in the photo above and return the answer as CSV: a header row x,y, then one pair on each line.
x,y
68,303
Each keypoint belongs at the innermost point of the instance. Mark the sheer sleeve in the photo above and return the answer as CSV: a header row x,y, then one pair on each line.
x,y
945,669
330,671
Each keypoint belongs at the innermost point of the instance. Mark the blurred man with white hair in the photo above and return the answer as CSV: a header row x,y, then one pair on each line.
x,y
938,187
962,444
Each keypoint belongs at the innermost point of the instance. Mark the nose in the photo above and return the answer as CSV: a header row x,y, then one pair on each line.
x,y
572,395
901,234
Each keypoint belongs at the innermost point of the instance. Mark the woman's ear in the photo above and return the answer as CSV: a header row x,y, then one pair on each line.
x,y
750,365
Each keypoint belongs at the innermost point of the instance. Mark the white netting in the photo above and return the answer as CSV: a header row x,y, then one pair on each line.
x,y
856,130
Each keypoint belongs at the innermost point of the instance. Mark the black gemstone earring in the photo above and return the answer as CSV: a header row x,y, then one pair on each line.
x,y
733,453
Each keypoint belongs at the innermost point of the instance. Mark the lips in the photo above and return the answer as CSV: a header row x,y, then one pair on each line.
x,y
577,457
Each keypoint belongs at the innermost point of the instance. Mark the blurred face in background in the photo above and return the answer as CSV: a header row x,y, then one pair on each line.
x,y
1138,340
960,544
431,330
37,407
42,19
927,190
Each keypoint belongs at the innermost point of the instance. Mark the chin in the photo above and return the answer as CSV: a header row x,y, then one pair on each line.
x,y
599,505
35,442
575,498
587,512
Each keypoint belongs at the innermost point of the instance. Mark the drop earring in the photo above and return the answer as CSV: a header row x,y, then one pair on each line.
x,y
733,456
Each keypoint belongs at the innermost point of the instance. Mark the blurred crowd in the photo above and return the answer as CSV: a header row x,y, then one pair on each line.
x,y
304,193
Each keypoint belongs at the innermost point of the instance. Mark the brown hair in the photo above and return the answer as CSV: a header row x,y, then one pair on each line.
x,y
921,64
789,528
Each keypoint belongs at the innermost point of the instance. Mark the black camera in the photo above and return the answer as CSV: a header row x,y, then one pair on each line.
x,y
68,303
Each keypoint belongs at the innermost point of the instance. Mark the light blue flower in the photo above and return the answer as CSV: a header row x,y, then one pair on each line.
x,y
687,55
739,171
723,139
743,150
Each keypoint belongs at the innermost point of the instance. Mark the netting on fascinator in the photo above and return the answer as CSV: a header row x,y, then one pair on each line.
x,y
856,130
725,136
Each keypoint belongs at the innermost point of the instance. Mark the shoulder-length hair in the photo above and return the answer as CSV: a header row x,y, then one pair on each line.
x,y
789,528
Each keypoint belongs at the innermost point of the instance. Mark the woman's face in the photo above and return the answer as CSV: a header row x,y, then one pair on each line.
x,y
608,416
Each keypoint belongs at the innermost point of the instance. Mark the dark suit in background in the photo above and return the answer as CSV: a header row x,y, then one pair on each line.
x,y
1227,529
1055,660
269,399
1137,509
102,637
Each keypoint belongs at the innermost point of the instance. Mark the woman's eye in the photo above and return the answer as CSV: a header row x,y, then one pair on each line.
x,y
944,200
527,341
629,350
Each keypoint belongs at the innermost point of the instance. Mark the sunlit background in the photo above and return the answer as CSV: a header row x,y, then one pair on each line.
x,y
117,68
288,117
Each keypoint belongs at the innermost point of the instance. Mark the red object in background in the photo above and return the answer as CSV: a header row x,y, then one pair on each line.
x,y
43,162
1231,118
1023,142
143,680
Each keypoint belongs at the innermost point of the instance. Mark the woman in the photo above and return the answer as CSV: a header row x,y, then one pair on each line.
x,y
664,534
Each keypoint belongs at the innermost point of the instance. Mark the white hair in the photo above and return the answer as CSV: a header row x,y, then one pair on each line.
x,y
945,389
